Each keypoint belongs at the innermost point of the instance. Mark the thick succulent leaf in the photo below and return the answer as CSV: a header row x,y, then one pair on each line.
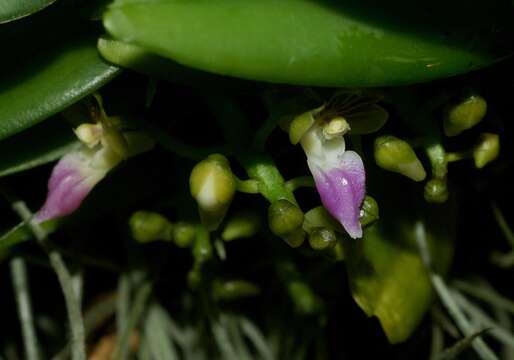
x,y
52,62
323,42
39,145
387,276
15,9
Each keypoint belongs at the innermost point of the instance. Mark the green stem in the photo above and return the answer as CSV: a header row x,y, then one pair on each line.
x,y
73,306
438,160
22,292
249,186
457,156
502,223
298,182
271,184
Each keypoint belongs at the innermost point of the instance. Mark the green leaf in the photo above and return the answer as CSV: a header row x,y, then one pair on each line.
x,y
323,42
52,62
387,276
15,9
39,145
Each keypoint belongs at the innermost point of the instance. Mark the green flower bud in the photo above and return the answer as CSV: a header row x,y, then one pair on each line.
x,y
183,234
321,239
319,217
464,115
369,211
241,225
436,191
233,290
397,155
285,220
194,276
213,185
148,226
202,248
486,150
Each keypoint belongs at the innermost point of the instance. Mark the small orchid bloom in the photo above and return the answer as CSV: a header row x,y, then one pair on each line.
x,y
75,175
339,174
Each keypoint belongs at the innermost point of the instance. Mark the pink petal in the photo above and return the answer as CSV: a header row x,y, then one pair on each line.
x,y
342,190
70,182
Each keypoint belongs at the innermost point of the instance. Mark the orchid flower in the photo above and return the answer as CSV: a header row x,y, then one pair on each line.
x,y
75,175
339,174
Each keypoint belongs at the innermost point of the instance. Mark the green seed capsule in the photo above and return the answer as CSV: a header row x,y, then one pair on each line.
x,y
369,211
464,115
321,239
325,43
436,191
394,154
148,226
213,186
233,290
486,150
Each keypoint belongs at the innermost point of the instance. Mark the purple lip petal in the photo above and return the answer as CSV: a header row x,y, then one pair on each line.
x,y
342,190
70,182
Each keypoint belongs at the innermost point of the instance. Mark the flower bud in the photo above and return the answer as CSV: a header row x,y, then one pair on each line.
x,y
242,225
213,185
305,300
233,289
149,226
285,220
321,239
464,115
183,234
436,191
486,150
369,211
394,154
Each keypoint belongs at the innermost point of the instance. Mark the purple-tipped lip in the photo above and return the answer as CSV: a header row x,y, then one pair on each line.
x,y
342,189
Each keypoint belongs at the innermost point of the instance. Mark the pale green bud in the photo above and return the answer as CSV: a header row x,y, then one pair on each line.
x,y
183,234
149,226
213,185
285,220
369,211
464,115
242,225
394,154
436,191
486,150
321,239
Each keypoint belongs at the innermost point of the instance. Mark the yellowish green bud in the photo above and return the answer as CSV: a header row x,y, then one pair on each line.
x,y
321,239
305,300
396,155
369,211
213,185
486,150
436,191
242,225
148,226
285,220
464,115
183,234
233,290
